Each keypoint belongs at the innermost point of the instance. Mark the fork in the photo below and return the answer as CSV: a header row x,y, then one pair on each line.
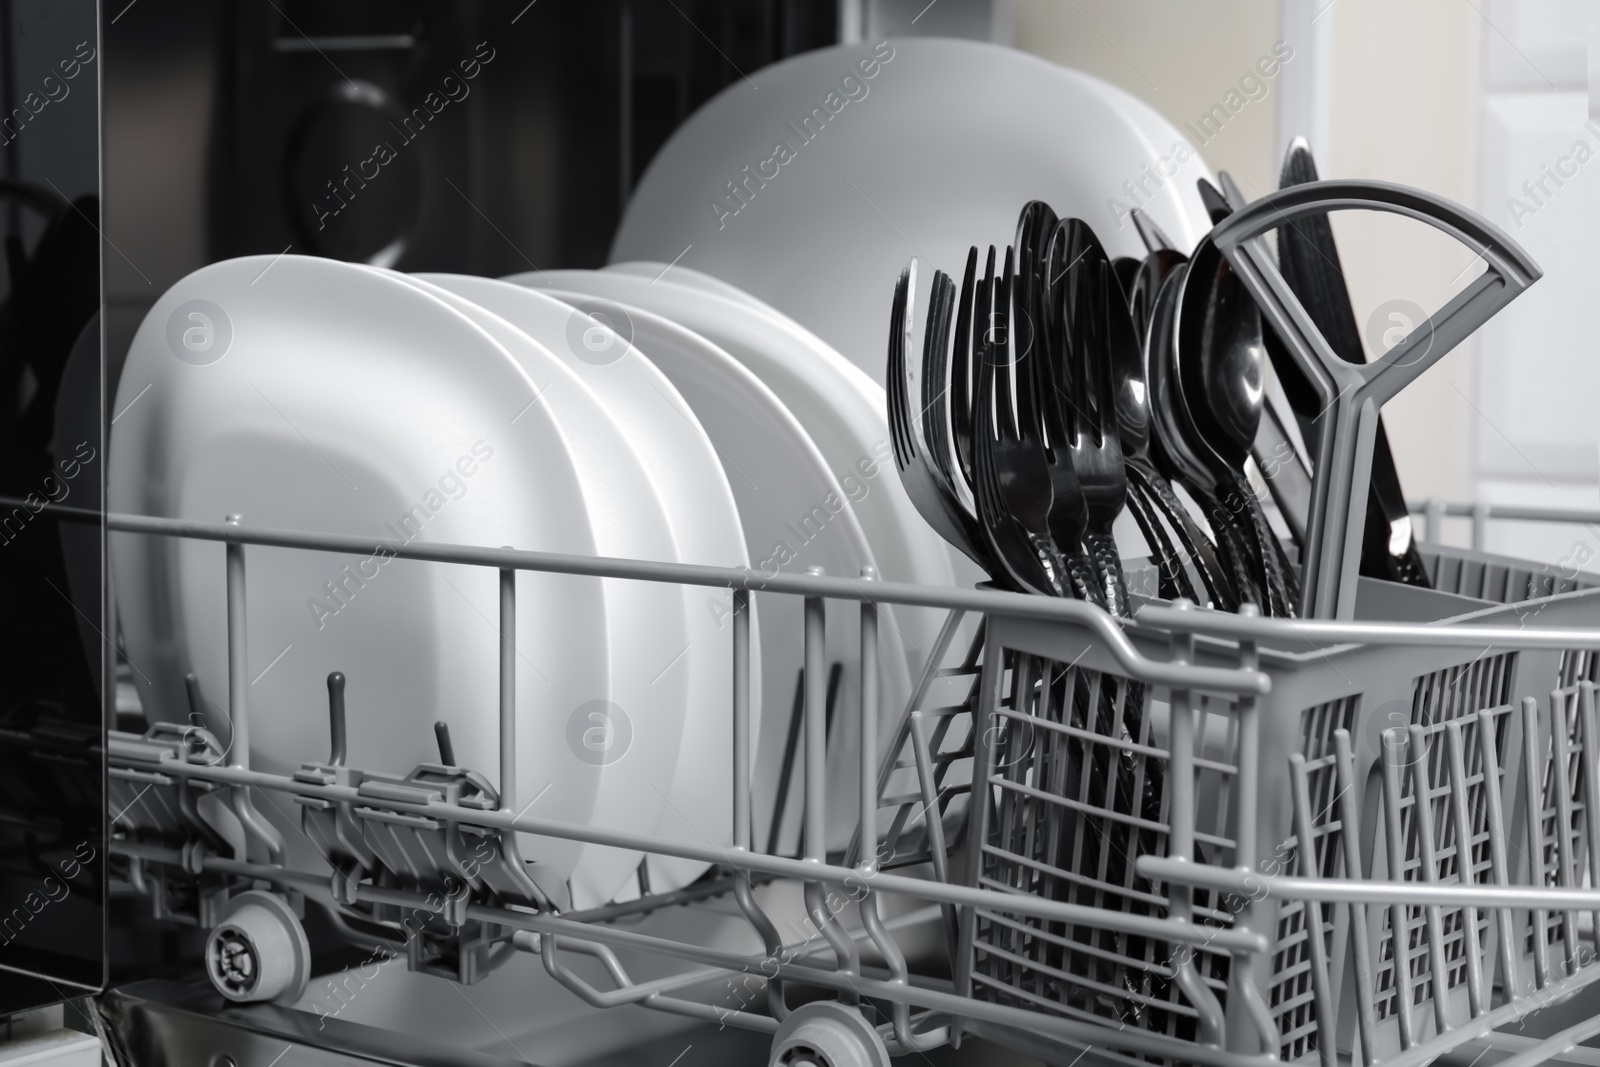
x,y
1081,368
924,481
1032,339
1012,482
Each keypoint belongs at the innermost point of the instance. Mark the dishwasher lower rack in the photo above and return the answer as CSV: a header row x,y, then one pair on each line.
x,y
1162,816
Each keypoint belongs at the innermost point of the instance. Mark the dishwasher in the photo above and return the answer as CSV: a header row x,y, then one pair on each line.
x,y
1185,836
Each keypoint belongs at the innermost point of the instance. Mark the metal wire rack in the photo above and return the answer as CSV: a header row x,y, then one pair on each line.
x,y
1195,838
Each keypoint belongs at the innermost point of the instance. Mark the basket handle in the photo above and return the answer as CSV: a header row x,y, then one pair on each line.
x,y
1351,394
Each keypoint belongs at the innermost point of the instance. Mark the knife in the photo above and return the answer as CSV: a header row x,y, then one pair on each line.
x,y
1309,261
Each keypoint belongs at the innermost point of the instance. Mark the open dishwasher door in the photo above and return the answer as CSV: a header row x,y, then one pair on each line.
x,y
56,673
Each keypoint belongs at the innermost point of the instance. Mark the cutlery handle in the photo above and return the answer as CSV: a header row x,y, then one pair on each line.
x,y
1193,539
1102,548
1172,580
1274,572
1084,579
1235,550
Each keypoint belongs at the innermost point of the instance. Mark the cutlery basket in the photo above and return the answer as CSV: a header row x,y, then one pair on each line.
x,y
1293,816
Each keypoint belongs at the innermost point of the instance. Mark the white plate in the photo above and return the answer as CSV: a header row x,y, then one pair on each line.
x,y
681,463
936,156
682,275
326,406
637,741
839,406
777,474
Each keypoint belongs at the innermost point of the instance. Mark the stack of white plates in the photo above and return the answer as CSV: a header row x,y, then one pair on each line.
x,y
608,416
641,411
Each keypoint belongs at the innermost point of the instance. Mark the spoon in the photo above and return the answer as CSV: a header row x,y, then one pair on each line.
x,y
1221,379
1171,447
1134,419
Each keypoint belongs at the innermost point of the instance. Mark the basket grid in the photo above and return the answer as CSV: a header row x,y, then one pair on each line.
x,y
1291,995
1455,694
1562,863
1077,780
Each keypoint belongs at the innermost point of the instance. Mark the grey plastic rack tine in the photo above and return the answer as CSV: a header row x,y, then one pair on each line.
x,y
1395,741
1181,841
1352,394
1590,754
1350,846
932,819
238,687
867,817
1461,810
814,804
197,703
743,890
336,723
447,748
1311,916
814,730
1499,867
1240,985
1422,822
1533,808
508,688
255,826
1561,786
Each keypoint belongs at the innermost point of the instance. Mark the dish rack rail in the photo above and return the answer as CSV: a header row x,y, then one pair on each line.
x,y
1198,837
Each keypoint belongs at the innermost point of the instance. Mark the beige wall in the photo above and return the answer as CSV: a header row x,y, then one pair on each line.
x,y
1403,100
1180,56
1394,88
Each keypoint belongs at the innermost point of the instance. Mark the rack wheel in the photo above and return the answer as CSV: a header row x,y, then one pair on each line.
x,y
826,1033
258,950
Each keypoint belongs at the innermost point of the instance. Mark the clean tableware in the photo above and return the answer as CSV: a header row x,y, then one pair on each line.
x,y
1036,323
1027,564
1171,450
1134,420
681,463
309,394
876,183
925,481
842,410
778,477
688,276
1093,320
1220,380
652,646
1008,439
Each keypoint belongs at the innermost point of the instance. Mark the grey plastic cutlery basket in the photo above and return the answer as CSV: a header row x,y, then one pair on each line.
x,y
1293,817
